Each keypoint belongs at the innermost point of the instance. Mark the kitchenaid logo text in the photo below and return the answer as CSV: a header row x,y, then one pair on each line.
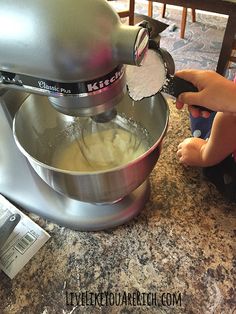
x,y
97,85
53,88
82,87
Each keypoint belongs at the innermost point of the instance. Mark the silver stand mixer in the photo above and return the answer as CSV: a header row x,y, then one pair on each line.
x,y
72,57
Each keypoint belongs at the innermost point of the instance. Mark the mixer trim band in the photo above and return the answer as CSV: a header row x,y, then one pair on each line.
x,y
74,88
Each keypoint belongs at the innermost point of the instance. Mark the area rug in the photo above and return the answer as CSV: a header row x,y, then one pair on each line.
x,y
201,46
203,39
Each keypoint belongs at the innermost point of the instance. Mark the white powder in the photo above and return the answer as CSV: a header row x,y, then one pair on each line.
x,y
148,79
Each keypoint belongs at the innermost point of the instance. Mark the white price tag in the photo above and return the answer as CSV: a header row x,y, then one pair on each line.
x,y
26,239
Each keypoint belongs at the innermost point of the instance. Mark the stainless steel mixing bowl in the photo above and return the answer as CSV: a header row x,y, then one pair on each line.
x,y
38,128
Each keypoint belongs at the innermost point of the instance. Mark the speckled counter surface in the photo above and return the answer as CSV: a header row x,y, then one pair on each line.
x,y
180,248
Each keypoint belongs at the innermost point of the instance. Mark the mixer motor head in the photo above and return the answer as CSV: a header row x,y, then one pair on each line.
x,y
71,52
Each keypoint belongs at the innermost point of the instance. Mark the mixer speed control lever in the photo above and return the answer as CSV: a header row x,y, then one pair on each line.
x,y
9,78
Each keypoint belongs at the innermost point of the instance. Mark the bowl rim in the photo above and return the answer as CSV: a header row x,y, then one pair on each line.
x,y
91,173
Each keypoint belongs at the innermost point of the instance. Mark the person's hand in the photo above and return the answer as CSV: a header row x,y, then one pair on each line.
x,y
190,152
195,112
215,92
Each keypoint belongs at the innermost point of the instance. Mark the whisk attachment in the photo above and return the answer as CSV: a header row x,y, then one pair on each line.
x,y
106,116
109,140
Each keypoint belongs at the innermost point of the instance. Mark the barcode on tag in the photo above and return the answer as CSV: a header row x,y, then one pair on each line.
x,y
25,242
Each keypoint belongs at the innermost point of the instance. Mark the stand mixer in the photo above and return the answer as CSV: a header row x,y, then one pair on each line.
x,y
72,56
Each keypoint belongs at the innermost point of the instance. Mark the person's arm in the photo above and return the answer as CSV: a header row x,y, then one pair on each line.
x,y
215,92
222,142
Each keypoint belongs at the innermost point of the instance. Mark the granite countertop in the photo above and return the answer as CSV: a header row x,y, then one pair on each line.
x,y
181,249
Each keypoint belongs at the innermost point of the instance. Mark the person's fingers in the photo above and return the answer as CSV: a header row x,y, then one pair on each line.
x,y
184,164
205,114
188,75
180,146
179,104
182,161
179,154
195,112
190,98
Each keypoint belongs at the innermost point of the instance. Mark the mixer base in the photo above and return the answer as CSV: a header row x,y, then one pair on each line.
x,y
91,217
